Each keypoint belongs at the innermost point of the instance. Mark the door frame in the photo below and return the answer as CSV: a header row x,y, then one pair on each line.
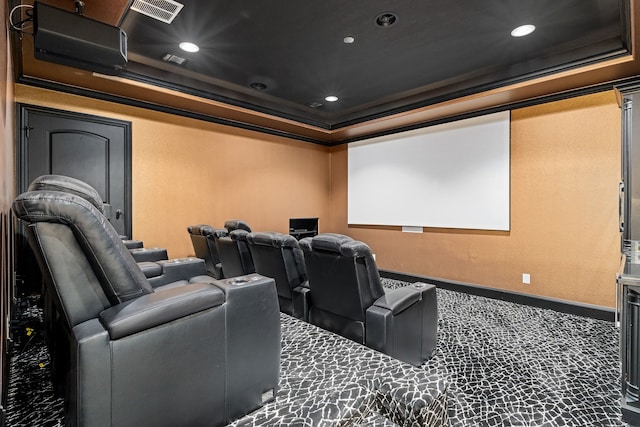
x,y
22,157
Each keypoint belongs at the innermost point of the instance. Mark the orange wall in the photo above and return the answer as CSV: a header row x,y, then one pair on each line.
x,y
188,172
565,170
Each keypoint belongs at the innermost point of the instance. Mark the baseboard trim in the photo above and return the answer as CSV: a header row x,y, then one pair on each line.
x,y
563,306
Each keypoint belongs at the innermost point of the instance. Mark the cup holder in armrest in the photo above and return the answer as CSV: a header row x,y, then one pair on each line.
x,y
183,260
237,281
241,280
182,268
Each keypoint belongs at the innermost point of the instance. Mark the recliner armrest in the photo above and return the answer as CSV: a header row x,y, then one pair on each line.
x,y
253,344
403,323
131,244
158,308
301,300
150,269
177,269
398,300
149,254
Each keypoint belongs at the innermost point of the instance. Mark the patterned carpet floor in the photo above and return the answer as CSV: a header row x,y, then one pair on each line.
x,y
515,365
503,364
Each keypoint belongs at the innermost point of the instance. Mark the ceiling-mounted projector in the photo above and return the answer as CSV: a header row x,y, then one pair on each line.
x,y
77,41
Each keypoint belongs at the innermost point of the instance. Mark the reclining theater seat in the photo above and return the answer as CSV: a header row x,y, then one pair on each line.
x,y
159,271
234,254
278,256
347,298
156,273
173,356
233,249
203,238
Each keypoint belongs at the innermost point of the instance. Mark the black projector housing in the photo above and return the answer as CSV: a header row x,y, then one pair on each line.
x,y
77,41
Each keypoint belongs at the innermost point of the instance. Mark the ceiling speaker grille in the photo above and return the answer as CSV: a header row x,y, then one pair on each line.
x,y
162,10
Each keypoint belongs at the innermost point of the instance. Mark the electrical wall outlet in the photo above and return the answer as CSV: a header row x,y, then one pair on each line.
x,y
374,256
526,278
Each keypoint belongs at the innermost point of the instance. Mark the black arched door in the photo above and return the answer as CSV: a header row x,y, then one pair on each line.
x,y
93,149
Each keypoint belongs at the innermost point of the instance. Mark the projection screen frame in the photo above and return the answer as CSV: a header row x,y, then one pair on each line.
x,y
451,175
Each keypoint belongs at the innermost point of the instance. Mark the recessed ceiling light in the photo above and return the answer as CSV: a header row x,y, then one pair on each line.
x,y
189,47
523,30
331,98
348,40
258,86
386,19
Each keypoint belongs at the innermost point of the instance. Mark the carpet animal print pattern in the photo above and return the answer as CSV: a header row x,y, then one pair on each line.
x,y
327,380
31,400
497,364
515,365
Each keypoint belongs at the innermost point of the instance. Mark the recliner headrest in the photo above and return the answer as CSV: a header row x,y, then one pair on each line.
x,y
236,224
199,229
206,230
338,243
331,242
305,243
67,184
355,249
240,235
271,238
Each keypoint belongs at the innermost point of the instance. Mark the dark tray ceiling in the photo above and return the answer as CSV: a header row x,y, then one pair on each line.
x,y
435,51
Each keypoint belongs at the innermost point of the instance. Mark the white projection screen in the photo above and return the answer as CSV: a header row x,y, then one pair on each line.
x,y
452,175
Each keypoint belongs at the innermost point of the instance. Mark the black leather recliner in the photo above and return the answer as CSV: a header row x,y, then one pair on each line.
x,y
202,352
233,249
278,256
158,270
347,298
224,250
234,254
203,239
155,272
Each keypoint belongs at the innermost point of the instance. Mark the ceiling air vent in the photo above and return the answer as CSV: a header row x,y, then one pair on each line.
x,y
162,10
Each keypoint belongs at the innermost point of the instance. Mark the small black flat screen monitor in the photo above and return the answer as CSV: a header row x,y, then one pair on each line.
x,y
303,227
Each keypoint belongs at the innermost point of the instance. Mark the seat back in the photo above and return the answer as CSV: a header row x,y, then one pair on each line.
x,y
344,283
80,253
67,184
72,185
236,224
279,256
234,254
203,238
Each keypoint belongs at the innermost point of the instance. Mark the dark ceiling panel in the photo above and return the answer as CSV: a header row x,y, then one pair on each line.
x,y
436,50
440,61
